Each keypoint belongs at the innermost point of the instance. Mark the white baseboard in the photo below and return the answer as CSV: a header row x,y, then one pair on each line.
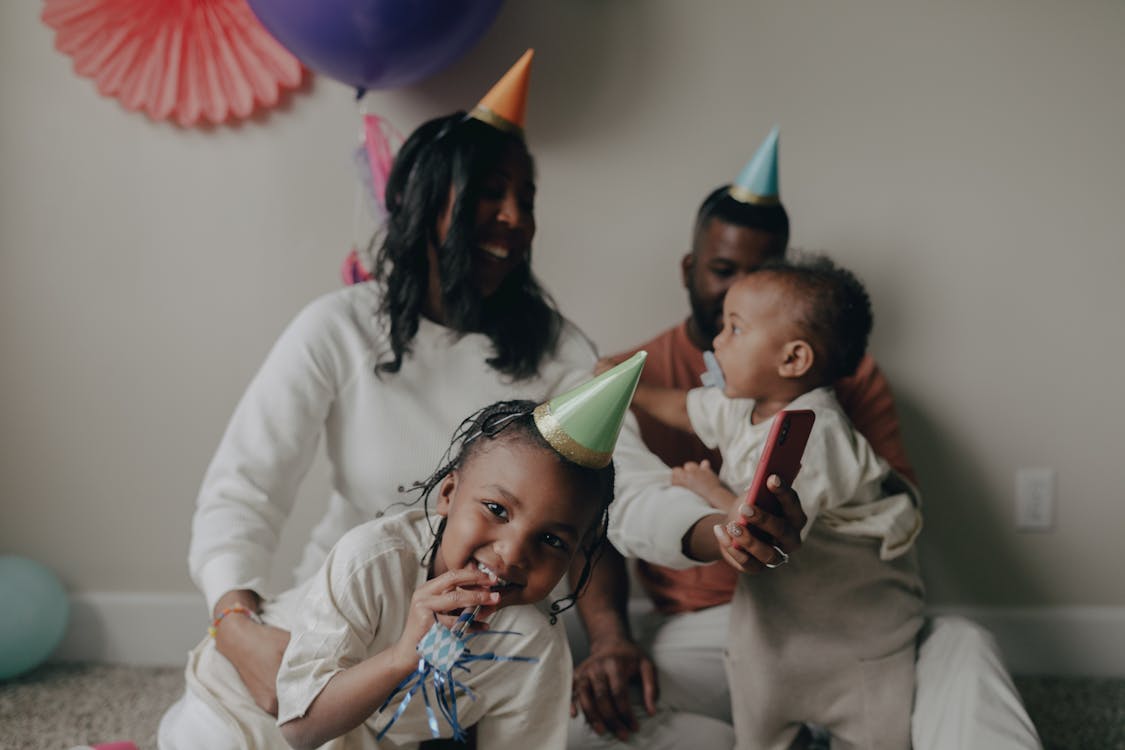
x,y
133,628
158,629
1064,641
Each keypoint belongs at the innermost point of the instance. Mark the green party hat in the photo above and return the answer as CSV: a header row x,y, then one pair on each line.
x,y
757,183
583,423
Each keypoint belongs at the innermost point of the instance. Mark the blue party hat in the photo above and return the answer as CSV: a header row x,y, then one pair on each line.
x,y
757,183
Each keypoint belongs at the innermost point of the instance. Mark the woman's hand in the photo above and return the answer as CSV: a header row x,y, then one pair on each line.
x,y
781,535
444,598
254,650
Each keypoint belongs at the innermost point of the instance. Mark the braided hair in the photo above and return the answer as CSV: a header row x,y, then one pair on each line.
x,y
513,420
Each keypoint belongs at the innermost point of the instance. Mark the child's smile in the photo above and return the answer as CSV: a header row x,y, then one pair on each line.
x,y
501,582
514,512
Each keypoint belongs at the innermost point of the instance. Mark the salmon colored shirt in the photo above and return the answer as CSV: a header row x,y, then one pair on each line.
x,y
674,362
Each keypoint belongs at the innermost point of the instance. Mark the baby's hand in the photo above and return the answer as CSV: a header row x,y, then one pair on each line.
x,y
603,364
700,479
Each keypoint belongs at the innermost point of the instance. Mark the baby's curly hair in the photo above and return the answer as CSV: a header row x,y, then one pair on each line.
x,y
831,308
513,420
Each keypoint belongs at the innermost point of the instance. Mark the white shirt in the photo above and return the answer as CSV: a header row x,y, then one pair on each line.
x,y
382,432
842,483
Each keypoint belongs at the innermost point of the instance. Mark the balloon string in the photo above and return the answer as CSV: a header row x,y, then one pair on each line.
x,y
373,158
359,208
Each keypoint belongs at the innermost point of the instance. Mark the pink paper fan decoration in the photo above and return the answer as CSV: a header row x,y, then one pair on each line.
x,y
182,59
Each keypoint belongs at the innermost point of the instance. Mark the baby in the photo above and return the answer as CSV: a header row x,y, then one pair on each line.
x,y
829,638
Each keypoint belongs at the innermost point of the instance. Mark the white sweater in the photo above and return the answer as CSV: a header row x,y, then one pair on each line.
x,y
382,432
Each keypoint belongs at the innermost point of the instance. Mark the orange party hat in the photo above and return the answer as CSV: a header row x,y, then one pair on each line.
x,y
503,107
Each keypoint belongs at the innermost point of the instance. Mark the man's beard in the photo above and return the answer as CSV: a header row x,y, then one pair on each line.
x,y
708,318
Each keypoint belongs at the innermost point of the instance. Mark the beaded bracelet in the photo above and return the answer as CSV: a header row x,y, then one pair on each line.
x,y
238,608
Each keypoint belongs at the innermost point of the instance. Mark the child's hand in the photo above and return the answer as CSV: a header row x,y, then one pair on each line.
x,y
603,364
701,479
444,598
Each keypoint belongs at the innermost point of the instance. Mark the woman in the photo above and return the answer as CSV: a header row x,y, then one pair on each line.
x,y
386,369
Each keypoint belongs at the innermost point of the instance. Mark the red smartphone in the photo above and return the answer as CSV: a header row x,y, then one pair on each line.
x,y
782,456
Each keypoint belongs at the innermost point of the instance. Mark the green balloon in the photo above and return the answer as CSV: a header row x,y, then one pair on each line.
x,y
34,611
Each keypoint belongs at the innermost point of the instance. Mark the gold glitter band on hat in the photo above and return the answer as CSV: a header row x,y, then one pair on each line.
x,y
743,195
487,116
552,431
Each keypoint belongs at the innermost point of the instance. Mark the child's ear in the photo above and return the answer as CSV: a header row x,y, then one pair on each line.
x,y
445,493
797,360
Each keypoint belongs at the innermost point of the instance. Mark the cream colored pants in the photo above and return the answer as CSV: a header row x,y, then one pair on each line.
x,y
828,639
963,698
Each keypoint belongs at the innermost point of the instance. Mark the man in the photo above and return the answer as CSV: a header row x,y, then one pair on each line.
x,y
964,697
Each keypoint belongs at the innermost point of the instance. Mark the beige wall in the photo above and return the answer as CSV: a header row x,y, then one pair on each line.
x,y
965,158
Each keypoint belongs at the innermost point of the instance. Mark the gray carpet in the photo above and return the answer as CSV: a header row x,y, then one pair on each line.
x,y
59,706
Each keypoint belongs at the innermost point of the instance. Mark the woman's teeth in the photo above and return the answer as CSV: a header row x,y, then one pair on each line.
x,y
496,251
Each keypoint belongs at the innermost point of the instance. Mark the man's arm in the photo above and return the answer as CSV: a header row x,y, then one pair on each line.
x,y
601,681
869,403
667,405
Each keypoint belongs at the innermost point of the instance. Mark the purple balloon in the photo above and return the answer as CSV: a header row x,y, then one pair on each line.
x,y
376,44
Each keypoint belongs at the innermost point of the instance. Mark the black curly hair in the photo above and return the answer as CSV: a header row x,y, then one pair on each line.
x,y
771,219
513,420
832,310
520,318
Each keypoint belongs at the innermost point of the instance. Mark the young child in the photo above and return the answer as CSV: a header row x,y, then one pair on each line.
x,y
830,637
522,490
